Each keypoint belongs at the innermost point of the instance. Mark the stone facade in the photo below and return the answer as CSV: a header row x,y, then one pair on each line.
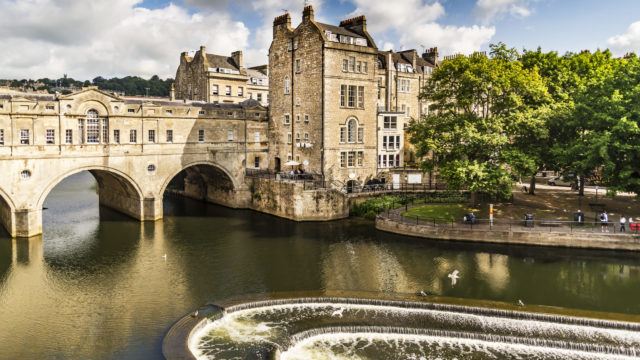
x,y
323,97
400,77
219,79
134,147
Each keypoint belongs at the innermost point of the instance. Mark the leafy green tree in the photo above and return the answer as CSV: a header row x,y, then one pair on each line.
x,y
483,112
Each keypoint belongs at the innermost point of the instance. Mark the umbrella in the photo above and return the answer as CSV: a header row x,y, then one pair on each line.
x,y
291,163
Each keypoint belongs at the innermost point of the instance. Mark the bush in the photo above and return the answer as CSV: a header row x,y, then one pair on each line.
x,y
373,206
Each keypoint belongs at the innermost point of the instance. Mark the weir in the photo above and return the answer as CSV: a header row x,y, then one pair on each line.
x,y
301,324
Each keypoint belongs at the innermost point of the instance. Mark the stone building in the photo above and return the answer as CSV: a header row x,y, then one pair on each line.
x,y
400,76
324,97
219,79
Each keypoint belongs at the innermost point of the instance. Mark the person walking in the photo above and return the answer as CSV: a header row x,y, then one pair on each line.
x,y
604,220
623,224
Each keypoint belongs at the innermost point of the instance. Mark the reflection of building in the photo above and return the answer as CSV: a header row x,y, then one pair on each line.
x,y
222,79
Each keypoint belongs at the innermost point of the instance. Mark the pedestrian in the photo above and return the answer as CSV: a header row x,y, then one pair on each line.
x,y
623,224
604,218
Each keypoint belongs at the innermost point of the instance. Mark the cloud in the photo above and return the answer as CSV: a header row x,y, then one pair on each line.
x,y
627,42
46,38
489,10
413,23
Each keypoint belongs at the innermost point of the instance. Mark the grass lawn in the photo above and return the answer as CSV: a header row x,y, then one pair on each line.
x,y
446,212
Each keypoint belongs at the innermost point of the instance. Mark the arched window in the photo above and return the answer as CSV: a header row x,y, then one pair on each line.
x,y
97,129
287,85
352,130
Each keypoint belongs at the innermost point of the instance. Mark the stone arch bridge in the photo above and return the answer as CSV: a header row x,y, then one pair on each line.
x,y
134,147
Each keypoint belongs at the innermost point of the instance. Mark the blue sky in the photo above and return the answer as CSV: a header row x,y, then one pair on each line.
x,y
144,37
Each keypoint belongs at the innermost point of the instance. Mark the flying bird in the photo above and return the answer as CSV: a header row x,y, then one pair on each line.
x,y
454,277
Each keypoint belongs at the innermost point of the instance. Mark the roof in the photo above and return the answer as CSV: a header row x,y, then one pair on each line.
x,y
339,30
219,61
403,57
256,74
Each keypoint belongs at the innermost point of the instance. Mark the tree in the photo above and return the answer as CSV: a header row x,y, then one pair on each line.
x,y
483,112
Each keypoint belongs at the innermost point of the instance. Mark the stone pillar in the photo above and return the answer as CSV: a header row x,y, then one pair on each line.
x,y
152,208
28,222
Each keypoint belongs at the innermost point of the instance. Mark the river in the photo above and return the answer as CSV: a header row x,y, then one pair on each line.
x,y
97,285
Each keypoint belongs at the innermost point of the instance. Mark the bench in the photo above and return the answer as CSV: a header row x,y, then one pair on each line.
x,y
549,223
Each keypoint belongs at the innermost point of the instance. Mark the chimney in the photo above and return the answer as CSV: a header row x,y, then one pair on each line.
x,y
238,59
358,23
431,55
172,92
307,13
282,21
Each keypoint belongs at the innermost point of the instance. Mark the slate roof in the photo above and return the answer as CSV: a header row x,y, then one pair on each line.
x,y
219,61
339,30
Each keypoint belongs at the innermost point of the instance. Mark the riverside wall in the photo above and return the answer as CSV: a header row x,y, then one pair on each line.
x,y
608,241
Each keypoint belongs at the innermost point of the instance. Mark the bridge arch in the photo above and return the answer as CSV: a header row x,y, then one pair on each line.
x,y
204,180
116,189
7,209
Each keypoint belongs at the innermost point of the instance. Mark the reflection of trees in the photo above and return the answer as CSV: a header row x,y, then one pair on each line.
x,y
495,269
5,259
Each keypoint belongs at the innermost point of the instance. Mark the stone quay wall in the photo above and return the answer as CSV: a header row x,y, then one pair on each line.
x,y
584,240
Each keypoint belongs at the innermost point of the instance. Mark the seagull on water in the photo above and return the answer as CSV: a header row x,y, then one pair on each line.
x,y
422,293
454,277
520,303
338,312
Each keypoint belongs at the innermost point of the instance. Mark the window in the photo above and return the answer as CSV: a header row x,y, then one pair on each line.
x,y
151,168
50,107
131,110
391,162
398,142
359,66
227,90
25,174
360,158
1,136
364,67
397,159
289,157
68,136
93,127
345,65
152,136
201,135
352,126
352,96
168,111
201,112
343,159
259,95
405,85
298,65
297,138
24,136
133,136
256,137
287,86
343,134
51,136
287,119
352,63
214,90
385,142
240,91
360,134
306,118
390,122
116,136
390,142
298,118
169,136
306,137
288,138
256,162
230,135
351,159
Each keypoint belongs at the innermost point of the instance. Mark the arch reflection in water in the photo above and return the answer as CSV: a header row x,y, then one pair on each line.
x,y
310,327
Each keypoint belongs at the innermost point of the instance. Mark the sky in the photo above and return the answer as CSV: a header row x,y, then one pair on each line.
x,y
89,38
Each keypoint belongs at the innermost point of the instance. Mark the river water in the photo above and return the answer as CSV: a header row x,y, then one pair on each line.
x,y
96,284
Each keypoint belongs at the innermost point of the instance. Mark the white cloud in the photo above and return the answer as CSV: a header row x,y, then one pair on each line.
x,y
627,42
46,38
489,10
403,24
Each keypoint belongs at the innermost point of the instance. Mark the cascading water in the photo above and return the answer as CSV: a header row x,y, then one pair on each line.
x,y
337,328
